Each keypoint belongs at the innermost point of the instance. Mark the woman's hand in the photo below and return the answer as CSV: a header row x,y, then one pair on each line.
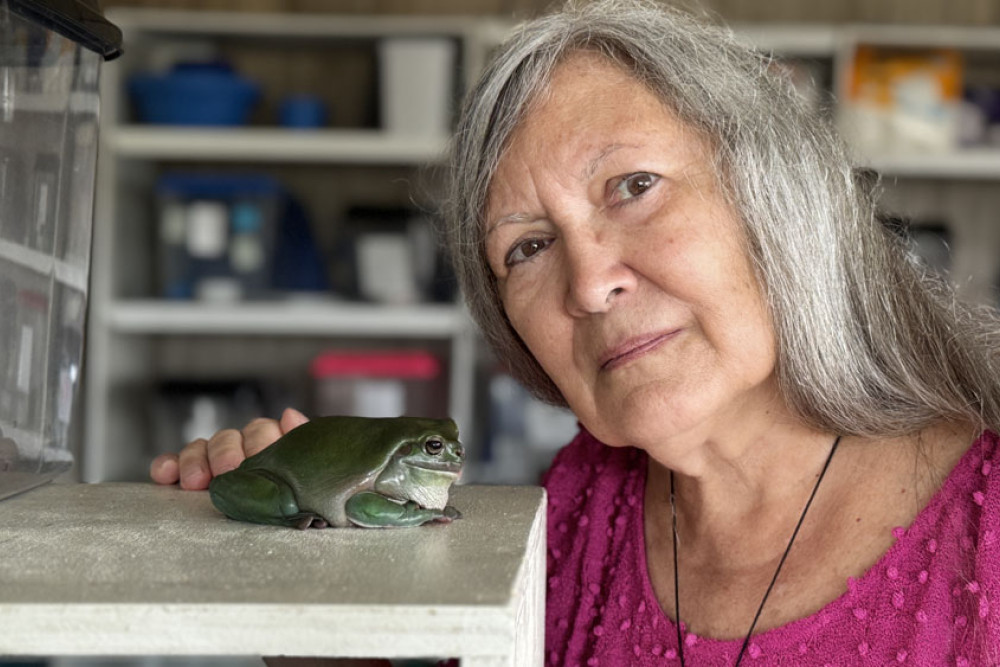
x,y
202,459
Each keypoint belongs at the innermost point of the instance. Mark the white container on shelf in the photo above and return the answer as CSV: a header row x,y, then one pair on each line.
x,y
417,84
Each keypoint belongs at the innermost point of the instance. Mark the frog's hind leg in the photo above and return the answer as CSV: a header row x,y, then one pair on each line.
x,y
260,496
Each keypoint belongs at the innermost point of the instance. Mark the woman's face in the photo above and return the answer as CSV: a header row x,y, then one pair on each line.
x,y
622,268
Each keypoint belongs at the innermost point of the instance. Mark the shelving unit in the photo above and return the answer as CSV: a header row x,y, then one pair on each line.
x,y
126,324
955,187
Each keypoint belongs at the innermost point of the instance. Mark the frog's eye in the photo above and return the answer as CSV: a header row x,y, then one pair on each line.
x,y
433,447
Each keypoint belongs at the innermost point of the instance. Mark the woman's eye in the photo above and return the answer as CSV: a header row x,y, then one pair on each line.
x,y
634,185
525,250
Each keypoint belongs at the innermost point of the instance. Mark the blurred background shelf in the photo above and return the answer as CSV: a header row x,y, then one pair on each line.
x,y
295,26
971,163
799,39
350,175
288,319
277,145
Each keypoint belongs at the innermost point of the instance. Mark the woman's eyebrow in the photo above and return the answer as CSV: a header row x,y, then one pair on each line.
x,y
592,166
506,219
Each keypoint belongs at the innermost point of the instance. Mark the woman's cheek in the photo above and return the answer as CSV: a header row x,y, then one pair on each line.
x,y
527,315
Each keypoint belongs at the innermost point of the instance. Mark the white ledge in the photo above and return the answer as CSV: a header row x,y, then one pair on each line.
x,y
274,145
975,163
289,318
136,569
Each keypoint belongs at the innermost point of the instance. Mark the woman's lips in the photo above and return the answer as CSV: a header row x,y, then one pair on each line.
x,y
633,349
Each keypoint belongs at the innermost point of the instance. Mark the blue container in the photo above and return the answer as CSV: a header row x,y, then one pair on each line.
x,y
302,112
265,244
194,94
242,231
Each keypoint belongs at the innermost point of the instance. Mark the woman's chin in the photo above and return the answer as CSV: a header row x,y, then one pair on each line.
x,y
644,418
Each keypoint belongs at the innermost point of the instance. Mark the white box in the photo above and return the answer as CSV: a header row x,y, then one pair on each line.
x,y
417,85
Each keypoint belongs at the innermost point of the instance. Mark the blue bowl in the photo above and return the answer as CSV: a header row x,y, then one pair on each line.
x,y
302,112
194,94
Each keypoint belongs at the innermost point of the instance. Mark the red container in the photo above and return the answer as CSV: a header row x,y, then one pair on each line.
x,y
379,384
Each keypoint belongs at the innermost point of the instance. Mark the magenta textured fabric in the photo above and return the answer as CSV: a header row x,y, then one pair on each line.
x,y
932,599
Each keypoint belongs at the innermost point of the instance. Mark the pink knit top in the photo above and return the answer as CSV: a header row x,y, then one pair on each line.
x,y
932,599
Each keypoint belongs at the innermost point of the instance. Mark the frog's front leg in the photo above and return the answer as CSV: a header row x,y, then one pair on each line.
x,y
373,510
260,496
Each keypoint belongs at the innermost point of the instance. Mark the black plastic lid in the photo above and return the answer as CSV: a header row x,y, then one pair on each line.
x,y
79,20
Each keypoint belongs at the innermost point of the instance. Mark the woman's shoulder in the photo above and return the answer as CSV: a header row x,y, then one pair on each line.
x,y
984,585
982,480
967,505
985,473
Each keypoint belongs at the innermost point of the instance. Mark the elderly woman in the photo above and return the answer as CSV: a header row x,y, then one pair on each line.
x,y
787,421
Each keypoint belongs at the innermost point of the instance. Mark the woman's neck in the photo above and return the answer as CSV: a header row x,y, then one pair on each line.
x,y
735,517
746,489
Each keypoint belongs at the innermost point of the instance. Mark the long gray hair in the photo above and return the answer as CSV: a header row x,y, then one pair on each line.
x,y
869,341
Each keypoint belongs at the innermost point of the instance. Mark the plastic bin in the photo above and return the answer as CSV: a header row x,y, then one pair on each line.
x,y
379,384
194,94
217,234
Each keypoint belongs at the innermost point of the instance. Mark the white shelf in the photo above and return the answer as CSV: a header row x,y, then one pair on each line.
x,y
288,319
819,40
44,265
273,145
972,163
286,25
128,569
802,40
965,38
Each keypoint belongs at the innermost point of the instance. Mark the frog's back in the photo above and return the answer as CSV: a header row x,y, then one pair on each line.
x,y
332,448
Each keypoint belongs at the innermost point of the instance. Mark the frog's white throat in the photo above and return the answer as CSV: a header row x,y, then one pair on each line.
x,y
431,497
425,486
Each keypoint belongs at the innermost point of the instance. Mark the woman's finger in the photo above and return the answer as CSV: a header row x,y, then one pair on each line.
x,y
292,418
193,468
225,451
202,459
259,434
165,469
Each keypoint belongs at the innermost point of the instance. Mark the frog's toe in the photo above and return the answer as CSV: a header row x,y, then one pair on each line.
x,y
450,513
305,521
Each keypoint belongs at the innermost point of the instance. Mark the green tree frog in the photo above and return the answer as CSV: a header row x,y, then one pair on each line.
x,y
342,471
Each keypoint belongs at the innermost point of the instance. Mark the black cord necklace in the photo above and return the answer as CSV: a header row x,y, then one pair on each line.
x,y
677,598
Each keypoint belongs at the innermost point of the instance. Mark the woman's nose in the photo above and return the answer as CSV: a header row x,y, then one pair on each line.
x,y
597,275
